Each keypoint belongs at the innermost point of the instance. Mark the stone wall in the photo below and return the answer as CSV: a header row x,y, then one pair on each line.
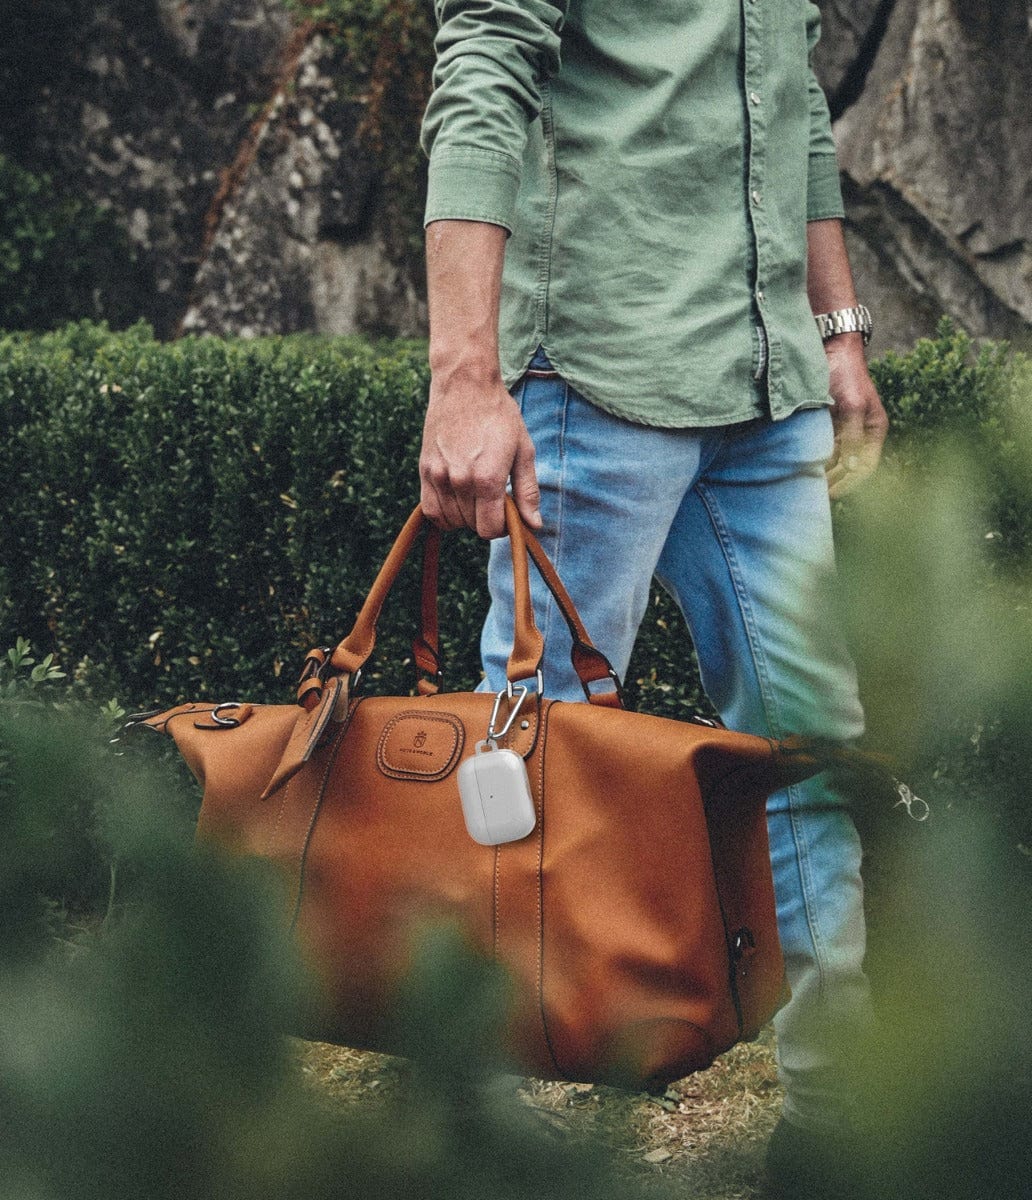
x,y
216,131
140,105
225,135
298,243
935,147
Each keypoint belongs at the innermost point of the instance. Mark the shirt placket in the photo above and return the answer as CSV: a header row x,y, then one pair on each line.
x,y
756,107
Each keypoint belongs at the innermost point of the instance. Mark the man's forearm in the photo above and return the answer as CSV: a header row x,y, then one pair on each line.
x,y
829,280
464,282
474,438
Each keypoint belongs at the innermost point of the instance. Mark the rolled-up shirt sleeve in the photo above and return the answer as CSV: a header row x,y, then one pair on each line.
x,y
493,58
823,189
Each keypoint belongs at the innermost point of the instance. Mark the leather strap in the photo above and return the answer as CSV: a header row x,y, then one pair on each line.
x,y
353,651
528,645
589,663
426,647
308,732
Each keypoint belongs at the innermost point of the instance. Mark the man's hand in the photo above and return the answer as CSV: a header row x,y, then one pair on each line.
x,y
858,416
474,440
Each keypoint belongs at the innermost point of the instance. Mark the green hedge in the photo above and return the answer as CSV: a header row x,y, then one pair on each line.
x,y
191,518
186,520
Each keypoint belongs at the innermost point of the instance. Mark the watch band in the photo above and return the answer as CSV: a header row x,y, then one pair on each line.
x,y
845,320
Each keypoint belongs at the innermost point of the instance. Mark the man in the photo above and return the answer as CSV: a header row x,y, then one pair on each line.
x,y
658,181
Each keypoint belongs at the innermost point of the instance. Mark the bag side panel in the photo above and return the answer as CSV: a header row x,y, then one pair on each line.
x,y
635,969
737,818
234,765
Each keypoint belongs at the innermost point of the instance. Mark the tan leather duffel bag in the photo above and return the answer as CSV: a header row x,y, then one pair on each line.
x,y
636,920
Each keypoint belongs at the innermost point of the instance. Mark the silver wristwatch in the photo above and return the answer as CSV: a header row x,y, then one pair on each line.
x,y
845,320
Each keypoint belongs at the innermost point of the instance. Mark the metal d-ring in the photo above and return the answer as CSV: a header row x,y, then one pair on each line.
x,y
509,685
226,722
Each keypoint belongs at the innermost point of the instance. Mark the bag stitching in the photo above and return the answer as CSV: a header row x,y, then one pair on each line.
x,y
540,904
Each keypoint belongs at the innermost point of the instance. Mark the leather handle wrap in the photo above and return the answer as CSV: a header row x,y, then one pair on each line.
x,y
426,646
528,645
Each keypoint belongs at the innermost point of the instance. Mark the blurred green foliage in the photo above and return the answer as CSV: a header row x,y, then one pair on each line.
x,y
944,1081
61,257
61,831
936,564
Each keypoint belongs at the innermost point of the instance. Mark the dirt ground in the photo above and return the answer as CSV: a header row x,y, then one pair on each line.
x,y
707,1133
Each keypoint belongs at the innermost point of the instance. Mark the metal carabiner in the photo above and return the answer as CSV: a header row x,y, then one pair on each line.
x,y
506,693
917,809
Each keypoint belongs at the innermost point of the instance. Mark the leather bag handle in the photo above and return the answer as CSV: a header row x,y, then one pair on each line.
x,y
589,663
426,645
528,645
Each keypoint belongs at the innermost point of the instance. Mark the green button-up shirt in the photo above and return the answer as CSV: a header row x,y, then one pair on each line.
x,y
656,163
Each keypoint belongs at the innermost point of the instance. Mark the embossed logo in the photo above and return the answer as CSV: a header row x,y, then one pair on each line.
x,y
420,745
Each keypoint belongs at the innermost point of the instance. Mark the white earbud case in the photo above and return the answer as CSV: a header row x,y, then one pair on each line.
x,y
496,801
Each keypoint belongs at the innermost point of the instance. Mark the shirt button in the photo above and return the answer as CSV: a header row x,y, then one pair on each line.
x,y
760,296
756,197
754,97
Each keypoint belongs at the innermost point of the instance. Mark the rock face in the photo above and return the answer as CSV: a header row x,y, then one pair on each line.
x,y
150,100
213,128
297,245
849,31
224,135
936,152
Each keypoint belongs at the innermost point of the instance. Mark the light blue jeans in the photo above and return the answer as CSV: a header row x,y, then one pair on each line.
x,y
735,523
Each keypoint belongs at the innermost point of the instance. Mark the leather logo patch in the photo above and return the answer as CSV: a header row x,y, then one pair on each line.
x,y
420,745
